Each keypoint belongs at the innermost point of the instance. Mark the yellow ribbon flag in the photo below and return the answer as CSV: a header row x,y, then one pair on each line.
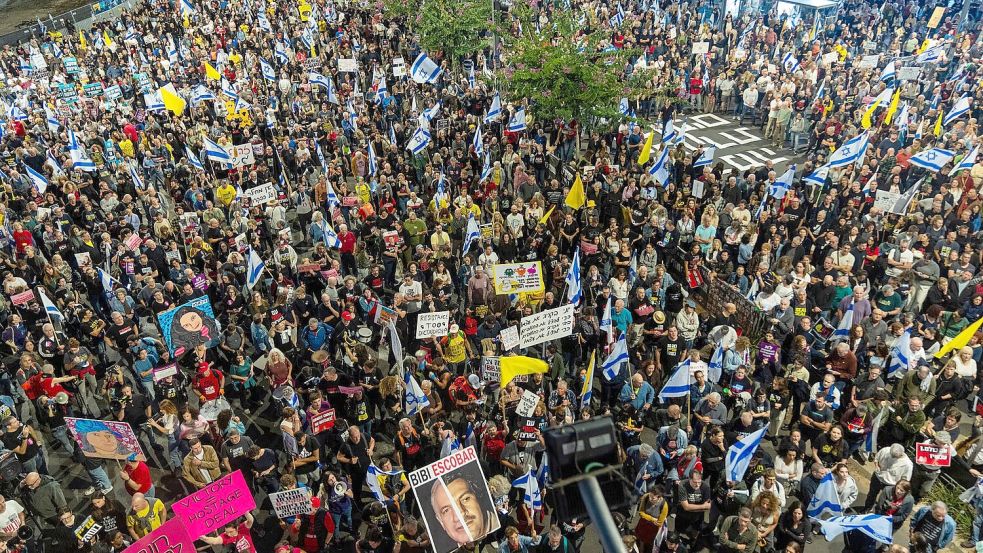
x,y
544,218
865,120
83,44
924,46
106,40
938,126
577,197
588,379
960,340
172,101
212,73
646,152
841,51
511,367
893,107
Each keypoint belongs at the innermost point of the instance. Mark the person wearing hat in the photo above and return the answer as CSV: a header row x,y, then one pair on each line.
x,y
456,349
136,477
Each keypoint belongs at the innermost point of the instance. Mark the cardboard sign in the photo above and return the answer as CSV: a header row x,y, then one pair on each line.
x,y
323,421
347,65
527,404
546,325
934,21
869,62
509,337
293,502
886,200
210,508
22,298
700,48
440,488
909,73
931,455
242,155
490,369
513,278
171,537
161,373
104,439
261,194
432,325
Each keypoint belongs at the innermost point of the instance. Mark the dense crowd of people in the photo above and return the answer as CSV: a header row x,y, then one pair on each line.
x,y
856,268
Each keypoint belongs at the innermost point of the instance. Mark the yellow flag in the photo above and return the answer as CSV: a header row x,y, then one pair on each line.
x,y
960,340
841,51
577,197
106,40
588,380
893,107
172,101
511,367
865,120
212,73
646,152
924,46
544,218
83,44
938,126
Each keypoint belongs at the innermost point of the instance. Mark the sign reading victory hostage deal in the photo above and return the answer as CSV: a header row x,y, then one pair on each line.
x,y
169,537
213,506
454,499
546,325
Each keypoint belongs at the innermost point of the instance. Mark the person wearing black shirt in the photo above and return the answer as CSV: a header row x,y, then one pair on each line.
x,y
669,350
23,441
692,501
135,410
355,454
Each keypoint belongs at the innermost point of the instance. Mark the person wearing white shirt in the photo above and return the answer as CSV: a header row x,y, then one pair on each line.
x,y
488,259
892,465
788,467
846,486
769,482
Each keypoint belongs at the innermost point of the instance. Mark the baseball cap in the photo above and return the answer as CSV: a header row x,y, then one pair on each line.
x,y
475,381
455,328
132,457
347,315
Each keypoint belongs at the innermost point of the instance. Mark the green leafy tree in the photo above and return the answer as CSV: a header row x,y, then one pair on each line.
x,y
456,28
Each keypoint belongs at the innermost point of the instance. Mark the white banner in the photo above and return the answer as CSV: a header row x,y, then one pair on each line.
x,y
546,325
261,194
347,65
292,502
910,73
242,155
886,200
700,48
432,325
869,62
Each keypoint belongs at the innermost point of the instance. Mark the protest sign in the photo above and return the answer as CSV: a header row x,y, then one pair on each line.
x,y
349,390
87,530
293,502
133,242
909,73
886,200
399,67
199,282
431,325
509,337
453,497
546,325
700,48
22,298
323,421
104,439
161,373
527,403
170,537
934,21
114,92
490,370
931,455
869,62
347,65
213,506
71,65
242,155
188,325
92,90
260,194
513,278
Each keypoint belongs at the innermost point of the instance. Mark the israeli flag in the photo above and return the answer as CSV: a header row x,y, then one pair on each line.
x,y
50,162
518,122
38,181
890,73
542,474
216,152
331,239
681,135
707,157
440,196
382,91
172,56
632,269
332,198
425,70
320,155
843,329
623,107
876,527
739,455
255,268
477,143
783,184
678,383
660,170
201,94
413,397
53,124
532,496
280,53
958,110
373,473
826,499
80,158
966,162
229,90
790,63
486,168
432,112
495,111
850,151
268,73
605,323
193,159
618,355
264,22
900,354
669,132
472,233
49,306
373,165
419,141
107,281
154,102
135,177
618,18
818,177
933,160
43,30
187,7
931,54
716,366
352,116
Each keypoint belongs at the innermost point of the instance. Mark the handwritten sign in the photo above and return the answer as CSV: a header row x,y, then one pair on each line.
x,y
431,325
546,325
490,369
200,282
931,455
261,194
242,155
700,48
161,373
513,278
527,404
293,502
218,503
22,298
323,421
399,67
909,73
347,65
509,337
170,537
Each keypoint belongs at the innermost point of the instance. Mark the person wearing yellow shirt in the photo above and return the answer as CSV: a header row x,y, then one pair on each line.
x,y
471,208
146,515
455,348
363,191
225,194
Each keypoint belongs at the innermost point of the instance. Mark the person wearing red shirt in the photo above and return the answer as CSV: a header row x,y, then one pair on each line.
x,y
347,249
22,238
236,534
136,477
209,384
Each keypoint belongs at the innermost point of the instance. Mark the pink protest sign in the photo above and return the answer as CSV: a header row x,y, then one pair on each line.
x,y
170,537
213,506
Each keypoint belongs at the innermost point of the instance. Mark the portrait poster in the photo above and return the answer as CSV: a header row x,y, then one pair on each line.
x,y
105,439
453,497
188,325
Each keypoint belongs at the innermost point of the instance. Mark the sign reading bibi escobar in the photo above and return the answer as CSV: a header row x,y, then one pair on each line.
x,y
453,496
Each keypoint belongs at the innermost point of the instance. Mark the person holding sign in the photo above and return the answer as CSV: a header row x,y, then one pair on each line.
x,y
236,534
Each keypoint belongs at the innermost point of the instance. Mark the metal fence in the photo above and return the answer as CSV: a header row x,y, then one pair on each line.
x,y
81,17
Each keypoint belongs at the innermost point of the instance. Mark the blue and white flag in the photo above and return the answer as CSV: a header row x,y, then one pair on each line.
x,y
154,102
469,438
618,18
900,355
264,22
38,180
518,122
850,151
826,499
216,152
52,120
331,197
739,455
933,160
876,527
372,479
135,177
931,54
542,474
660,169
187,7
55,165
280,53
320,155
49,306
254,269
678,383
960,108
624,108
472,81
268,72
843,329
819,176
382,90
668,132
782,184
373,164
890,73
790,63
715,368
472,233
618,355
229,90
200,94
41,28
706,158
477,143
870,440
532,496
424,70
193,159
966,162
107,281
419,141
486,168
495,111
331,239
414,399
606,323
432,112
574,290
317,79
